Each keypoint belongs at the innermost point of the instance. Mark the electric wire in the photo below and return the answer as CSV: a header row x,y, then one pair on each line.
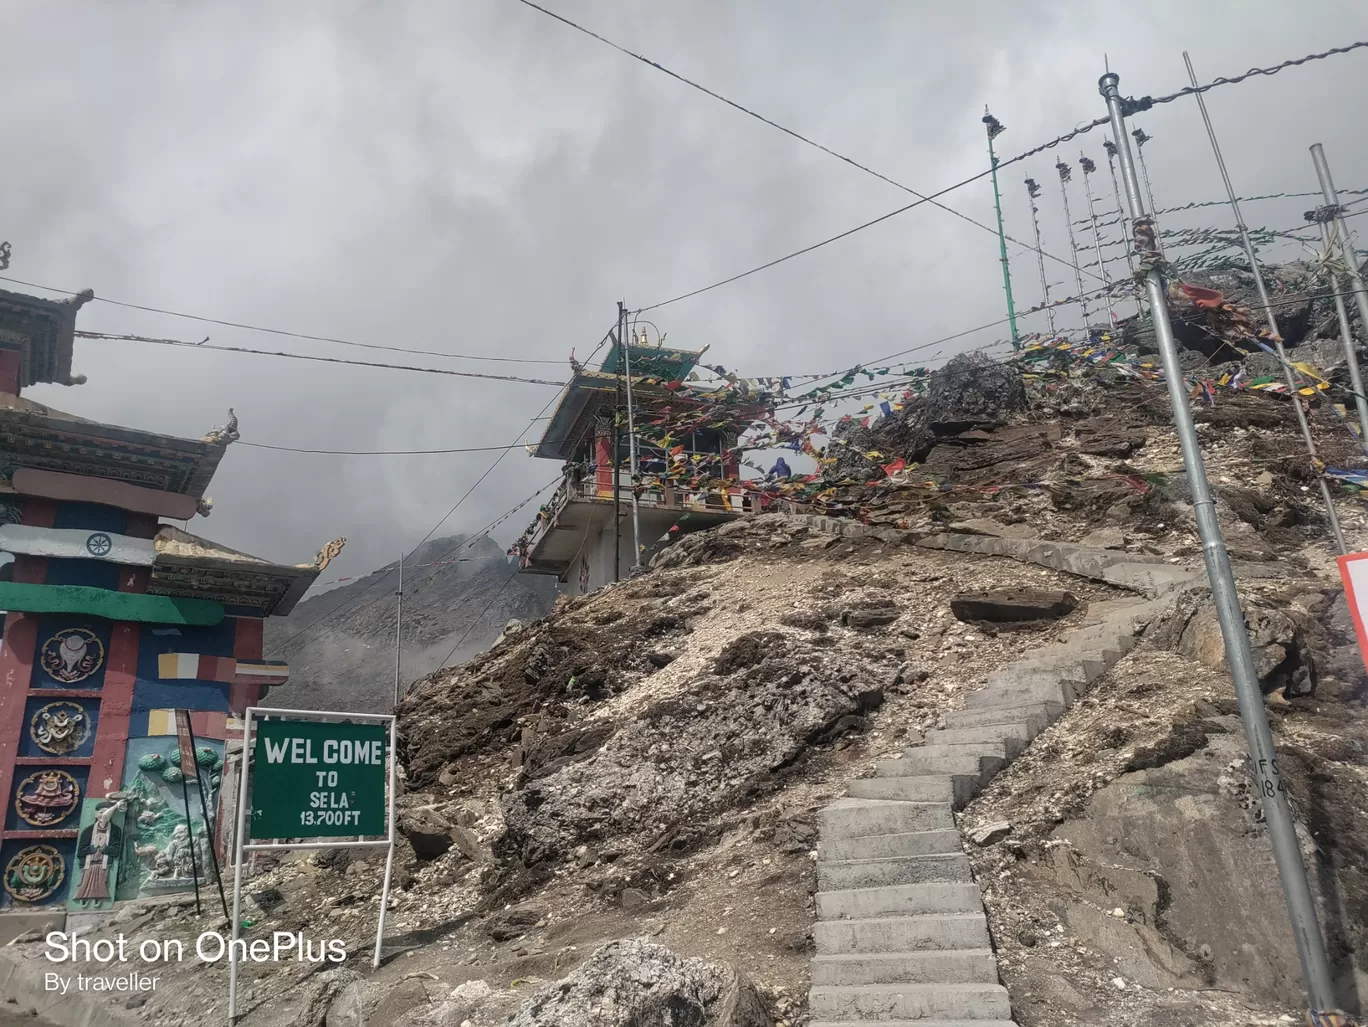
x,y
183,344
283,332
783,128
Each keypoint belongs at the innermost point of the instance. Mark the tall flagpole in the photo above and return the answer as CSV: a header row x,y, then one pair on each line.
x,y
1088,168
1033,191
995,129
1066,173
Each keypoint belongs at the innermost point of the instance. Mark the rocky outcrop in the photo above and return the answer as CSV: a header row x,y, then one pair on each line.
x,y
635,983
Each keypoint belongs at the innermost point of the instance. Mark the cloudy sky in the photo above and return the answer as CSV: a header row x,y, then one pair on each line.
x,y
476,178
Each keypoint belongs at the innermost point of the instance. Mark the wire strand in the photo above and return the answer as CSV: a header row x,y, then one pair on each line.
x,y
785,129
183,344
282,332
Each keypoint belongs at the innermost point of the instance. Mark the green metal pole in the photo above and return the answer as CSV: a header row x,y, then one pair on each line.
x,y
996,128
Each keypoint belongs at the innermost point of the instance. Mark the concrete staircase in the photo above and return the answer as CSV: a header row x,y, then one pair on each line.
x,y
901,934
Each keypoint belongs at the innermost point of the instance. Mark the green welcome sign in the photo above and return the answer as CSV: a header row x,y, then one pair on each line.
x,y
315,779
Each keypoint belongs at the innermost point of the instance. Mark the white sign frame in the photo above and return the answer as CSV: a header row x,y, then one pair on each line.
x,y
240,846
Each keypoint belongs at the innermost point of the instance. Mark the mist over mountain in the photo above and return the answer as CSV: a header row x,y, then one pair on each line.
x,y
340,645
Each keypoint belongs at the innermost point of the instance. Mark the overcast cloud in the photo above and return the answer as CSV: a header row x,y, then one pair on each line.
x,y
477,178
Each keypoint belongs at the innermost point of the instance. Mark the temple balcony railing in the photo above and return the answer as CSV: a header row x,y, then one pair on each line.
x,y
590,495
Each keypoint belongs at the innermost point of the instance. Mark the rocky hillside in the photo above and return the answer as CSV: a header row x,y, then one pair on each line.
x,y
895,765
343,655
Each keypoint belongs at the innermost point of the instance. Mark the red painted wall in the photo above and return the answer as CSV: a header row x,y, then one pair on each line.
x,y
603,460
248,645
16,668
9,371
116,707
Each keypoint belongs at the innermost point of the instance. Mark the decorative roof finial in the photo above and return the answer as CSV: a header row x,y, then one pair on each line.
x,y
204,507
227,434
329,553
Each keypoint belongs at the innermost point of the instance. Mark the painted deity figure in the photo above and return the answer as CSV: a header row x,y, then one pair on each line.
x,y
95,846
177,860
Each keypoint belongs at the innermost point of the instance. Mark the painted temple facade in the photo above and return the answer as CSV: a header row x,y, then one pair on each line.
x,y
584,534
113,620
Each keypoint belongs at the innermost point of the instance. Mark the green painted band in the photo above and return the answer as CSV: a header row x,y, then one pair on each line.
x,y
20,597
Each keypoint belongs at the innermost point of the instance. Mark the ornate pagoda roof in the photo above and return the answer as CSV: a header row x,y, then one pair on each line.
x,y
589,391
36,436
40,331
189,567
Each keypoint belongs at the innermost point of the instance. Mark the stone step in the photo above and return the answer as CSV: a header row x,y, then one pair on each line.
x,y
959,966
975,747
994,697
1012,737
941,788
1017,674
861,818
841,874
899,900
1039,715
902,934
914,764
912,1001
913,1023
885,846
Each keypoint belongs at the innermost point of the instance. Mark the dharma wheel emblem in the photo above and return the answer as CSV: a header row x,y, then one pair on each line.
x,y
35,873
99,544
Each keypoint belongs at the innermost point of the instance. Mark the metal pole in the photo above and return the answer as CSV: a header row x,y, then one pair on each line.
x,y
1065,174
1141,139
1282,833
398,628
617,466
996,128
631,442
1346,336
204,810
1088,168
1110,147
1252,254
238,839
1033,191
1351,265
190,832
389,856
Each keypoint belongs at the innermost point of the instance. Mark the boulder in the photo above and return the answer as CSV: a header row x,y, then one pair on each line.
x,y
634,983
427,831
872,618
1008,605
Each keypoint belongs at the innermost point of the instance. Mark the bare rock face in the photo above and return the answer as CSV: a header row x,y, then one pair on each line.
x,y
634,983
675,765
1282,655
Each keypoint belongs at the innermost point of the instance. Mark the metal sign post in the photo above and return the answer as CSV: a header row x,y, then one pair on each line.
x,y
319,776
186,748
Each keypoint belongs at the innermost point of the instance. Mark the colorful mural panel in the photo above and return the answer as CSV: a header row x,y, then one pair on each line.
x,y
33,873
99,854
71,653
46,798
59,727
33,803
163,849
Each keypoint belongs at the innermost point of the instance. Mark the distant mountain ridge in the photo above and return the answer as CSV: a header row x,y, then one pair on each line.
x,y
344,658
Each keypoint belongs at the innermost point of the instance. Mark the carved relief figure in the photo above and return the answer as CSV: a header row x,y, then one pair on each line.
x,y
71,655
47,797
60,727
34,873
96,846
